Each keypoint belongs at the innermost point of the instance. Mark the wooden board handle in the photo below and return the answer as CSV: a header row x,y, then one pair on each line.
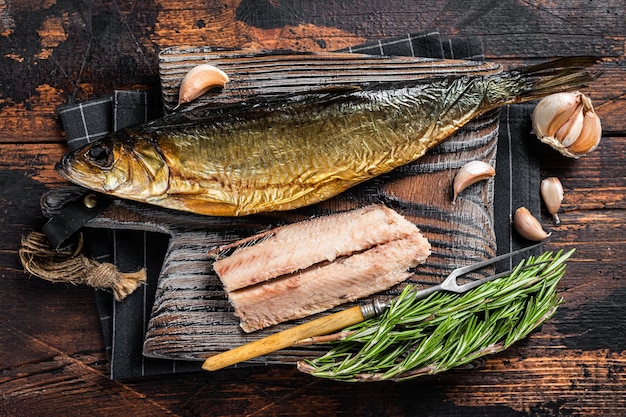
x,y
284,339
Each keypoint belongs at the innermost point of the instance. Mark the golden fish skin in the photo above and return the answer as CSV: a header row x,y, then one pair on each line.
x,y
288,152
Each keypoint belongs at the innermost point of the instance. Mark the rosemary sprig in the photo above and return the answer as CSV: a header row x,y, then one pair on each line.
x,y
443,331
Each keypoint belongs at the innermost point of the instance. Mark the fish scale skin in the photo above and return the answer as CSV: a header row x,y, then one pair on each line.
x,y
291,161
293,151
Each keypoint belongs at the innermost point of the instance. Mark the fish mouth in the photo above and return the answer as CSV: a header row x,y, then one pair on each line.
x,y
62,167
66,168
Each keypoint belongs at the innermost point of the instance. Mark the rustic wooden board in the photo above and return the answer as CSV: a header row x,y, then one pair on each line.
x,y
268,73
80,379
191,317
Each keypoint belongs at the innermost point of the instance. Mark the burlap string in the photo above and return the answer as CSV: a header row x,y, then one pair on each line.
x,y
40,259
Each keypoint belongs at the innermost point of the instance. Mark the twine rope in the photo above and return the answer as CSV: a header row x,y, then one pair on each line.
x,y
40,259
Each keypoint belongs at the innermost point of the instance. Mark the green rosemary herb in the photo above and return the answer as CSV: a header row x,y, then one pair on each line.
x,y
443,331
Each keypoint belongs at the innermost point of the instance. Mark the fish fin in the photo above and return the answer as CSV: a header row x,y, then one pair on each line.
x,y
258,104
198,204
333,89
562,65
564,74
229,248
536,81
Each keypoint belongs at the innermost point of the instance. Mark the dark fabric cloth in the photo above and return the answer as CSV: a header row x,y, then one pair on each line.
x,y
124,323
424,45
517,179
87,122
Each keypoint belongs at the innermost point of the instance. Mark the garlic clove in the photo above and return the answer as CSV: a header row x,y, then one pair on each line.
x,y
199,80
553,111
568,123
552,193
528,226
589,138
569,132
471,173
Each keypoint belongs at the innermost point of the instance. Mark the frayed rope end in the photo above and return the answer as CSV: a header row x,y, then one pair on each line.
x,y
40,259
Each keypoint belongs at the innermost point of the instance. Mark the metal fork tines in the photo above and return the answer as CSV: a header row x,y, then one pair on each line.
x,y
451,283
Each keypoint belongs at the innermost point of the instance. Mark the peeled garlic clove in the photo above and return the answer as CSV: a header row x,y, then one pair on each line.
x,y
568,123
199,80
528,226
552,193
469,174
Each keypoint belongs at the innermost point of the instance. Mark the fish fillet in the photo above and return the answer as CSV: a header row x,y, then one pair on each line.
x,y
311,266
327,238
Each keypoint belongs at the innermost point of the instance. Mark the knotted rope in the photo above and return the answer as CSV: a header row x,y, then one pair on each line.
x,y
40,259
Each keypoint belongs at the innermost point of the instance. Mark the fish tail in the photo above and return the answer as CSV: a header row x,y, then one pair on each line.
x,y
536,81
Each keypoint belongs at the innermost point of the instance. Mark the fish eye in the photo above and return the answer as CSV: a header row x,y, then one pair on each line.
x,y
100,155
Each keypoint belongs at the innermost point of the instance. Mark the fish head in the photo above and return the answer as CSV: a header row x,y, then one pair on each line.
x,y
132,169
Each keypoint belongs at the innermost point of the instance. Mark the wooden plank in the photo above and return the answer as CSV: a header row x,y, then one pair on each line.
x,y
59,316
512,383
595,181
524,381
84,50
254,72
508,28
31,162
70,66
41,369
26,172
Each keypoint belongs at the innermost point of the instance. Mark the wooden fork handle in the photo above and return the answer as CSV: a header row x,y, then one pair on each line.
x,y
286,338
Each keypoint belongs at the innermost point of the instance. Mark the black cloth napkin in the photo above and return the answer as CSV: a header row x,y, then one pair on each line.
x,y
124,323
424,45
517,179
87,122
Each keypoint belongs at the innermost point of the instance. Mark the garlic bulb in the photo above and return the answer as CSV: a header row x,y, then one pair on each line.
x,y
199,80
527,225
469,174
568,123
552,193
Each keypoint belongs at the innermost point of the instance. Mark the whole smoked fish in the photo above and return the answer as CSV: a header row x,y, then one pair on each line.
x,y
286,152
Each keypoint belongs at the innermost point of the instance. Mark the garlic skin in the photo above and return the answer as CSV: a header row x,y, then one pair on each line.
x,y
552,194
568,123
199,80
469,174
528,226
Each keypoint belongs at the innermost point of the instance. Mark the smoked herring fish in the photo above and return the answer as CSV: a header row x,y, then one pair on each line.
x,y
288,151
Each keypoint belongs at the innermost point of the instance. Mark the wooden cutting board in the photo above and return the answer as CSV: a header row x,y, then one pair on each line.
x,y
191,317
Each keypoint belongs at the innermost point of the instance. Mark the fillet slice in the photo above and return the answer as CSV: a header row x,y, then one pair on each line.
x,y
311,266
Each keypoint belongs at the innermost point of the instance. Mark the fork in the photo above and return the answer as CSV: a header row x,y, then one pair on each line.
x,y
336,321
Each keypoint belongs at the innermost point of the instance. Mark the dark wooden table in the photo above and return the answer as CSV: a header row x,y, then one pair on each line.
x,y
53,360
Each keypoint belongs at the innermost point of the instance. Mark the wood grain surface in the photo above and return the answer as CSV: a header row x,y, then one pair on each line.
x,y
191,317
269,73
54,358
